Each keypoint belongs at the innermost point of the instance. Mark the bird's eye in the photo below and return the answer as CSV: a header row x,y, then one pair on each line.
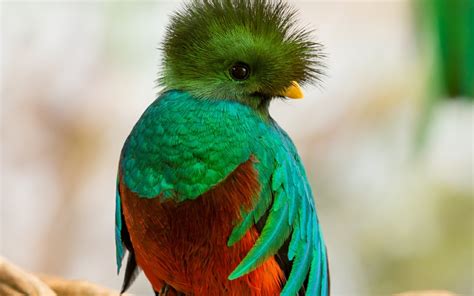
x,y
240,71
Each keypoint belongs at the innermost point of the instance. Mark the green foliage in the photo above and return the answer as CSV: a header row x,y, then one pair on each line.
x,y
453,23
207,37
447,28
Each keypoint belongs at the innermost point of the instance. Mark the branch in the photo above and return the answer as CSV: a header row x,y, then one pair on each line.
x,y
15,282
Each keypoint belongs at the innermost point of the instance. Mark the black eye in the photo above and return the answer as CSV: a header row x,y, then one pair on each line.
x,y
240,71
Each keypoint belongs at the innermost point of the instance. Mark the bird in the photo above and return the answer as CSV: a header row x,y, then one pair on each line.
x,y
212,196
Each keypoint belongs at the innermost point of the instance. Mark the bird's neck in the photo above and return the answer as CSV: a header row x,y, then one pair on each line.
x,y
261,106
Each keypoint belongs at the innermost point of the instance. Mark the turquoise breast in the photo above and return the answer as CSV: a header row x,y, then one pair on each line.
x,y
182,146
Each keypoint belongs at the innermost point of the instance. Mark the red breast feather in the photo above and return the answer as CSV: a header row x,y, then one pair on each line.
x,y
185,244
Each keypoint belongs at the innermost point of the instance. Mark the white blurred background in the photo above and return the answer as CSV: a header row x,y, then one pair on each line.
x,y
393,177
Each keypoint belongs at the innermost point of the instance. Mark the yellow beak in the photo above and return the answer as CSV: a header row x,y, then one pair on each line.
x,y
294,91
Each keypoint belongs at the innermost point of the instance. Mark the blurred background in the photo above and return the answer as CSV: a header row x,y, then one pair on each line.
x,y
387,138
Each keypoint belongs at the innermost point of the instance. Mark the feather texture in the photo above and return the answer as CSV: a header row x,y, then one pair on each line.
x,y
207,36
119,245
225,135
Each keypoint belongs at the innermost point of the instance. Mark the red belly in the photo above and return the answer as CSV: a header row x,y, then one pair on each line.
x,y
185,244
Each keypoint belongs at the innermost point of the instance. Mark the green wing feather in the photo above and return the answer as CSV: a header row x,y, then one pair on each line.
x,y
292,211
119,245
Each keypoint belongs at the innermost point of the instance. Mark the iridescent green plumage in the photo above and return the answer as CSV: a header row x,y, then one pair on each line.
x,y
183,146
206,124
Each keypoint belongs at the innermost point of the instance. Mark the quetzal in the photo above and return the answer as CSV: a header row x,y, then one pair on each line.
x,y
212,197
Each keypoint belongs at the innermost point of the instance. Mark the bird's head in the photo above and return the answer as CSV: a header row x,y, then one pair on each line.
x,y
244,50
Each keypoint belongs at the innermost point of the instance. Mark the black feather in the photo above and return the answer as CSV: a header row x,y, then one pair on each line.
x,y
132,270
